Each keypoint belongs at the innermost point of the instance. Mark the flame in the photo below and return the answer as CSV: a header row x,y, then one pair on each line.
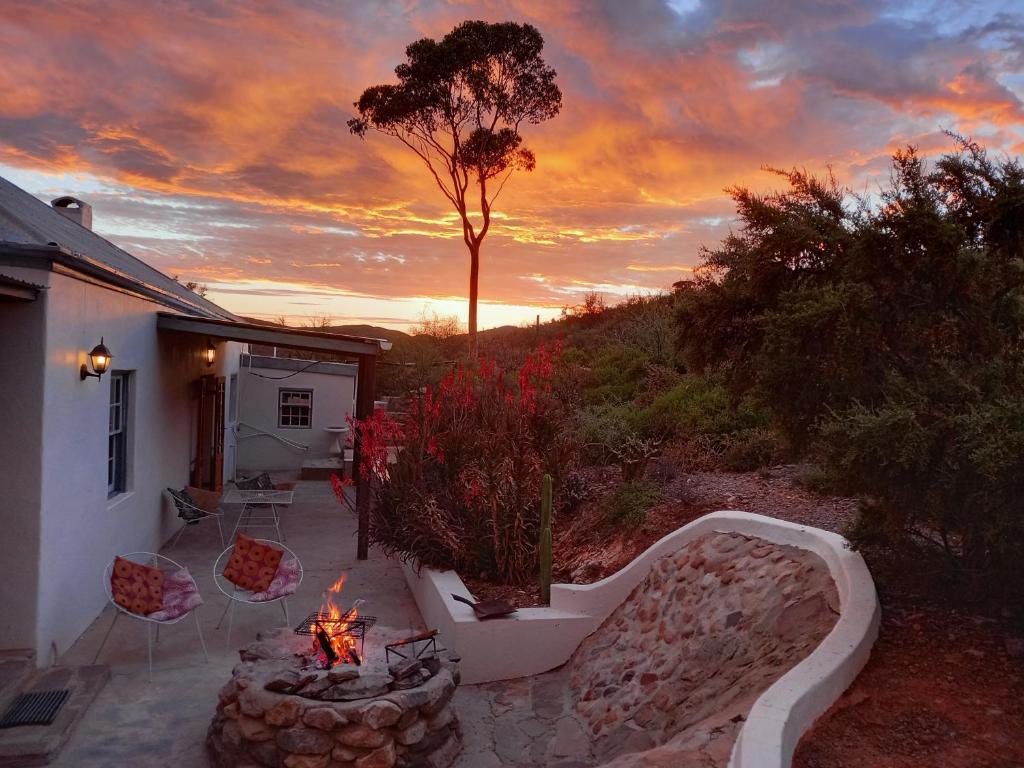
x,y
337,625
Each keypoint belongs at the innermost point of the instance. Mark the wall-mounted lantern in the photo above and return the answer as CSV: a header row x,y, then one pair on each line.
x,y
211,353
100,359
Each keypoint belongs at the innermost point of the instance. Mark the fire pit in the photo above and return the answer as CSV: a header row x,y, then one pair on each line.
x,y
327,704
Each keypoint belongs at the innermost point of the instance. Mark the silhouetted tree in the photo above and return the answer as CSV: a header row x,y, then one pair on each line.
x,y
459,104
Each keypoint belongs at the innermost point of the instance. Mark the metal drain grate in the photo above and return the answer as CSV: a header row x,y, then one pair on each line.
x,y
34,708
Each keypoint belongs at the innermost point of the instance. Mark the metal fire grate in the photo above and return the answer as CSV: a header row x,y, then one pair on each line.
x,y
421,646
34,708
356,627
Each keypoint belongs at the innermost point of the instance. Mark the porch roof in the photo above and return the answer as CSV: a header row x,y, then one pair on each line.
x,y
276,336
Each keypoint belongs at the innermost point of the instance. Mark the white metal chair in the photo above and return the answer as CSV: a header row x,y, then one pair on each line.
x,y
151,559
238,595
193,514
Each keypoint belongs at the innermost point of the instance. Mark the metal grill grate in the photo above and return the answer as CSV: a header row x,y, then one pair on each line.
x,y
34,708
333,627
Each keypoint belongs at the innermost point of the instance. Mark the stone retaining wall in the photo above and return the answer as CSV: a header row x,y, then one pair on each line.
x,y
715,623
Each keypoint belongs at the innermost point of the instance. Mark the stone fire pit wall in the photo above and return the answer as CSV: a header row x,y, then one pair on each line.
x,y
410,728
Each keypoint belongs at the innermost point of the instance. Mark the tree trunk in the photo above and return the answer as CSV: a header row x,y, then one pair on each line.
x,y
474,278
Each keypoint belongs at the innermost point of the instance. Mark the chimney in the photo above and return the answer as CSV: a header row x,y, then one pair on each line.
x,y
72,208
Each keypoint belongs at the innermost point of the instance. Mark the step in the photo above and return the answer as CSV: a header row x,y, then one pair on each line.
x,y
323,468
16,668
32,745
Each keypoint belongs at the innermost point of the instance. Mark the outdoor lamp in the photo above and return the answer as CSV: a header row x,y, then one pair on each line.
x,y
210,354
100,359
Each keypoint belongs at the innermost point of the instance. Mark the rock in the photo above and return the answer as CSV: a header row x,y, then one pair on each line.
x,y
254,729
314,688
255,701
384,757
231,711
343,754
359,735
231,735
286,680
265,753
362,687
304,741
412,734
323,718
440,720
285,713
570,738
445,755
733,619
380,714
343,673
307,761
405,668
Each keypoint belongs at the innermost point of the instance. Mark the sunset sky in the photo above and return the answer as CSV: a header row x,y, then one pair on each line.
x,y
210,136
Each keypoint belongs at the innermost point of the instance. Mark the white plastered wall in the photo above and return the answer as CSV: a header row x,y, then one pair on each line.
x,y
81,529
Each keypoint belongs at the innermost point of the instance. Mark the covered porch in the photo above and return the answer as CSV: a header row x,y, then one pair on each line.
x,y
363,351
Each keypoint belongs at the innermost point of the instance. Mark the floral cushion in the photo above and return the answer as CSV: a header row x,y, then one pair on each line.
x,y
252,564
186,506
136,587
181,595
285,582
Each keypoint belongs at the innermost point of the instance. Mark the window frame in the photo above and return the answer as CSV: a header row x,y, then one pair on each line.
x,y
292,415
119,424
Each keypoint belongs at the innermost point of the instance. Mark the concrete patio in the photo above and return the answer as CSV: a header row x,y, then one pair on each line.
x,y
134,722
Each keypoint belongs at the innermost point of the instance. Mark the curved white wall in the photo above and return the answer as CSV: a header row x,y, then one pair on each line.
x,y
540,639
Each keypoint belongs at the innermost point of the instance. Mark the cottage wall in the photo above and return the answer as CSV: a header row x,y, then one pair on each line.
x,y
81,529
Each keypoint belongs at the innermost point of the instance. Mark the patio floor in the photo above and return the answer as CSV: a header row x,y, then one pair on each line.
x,y
144,725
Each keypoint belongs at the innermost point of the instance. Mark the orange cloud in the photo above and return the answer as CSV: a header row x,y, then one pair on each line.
x,y
211,137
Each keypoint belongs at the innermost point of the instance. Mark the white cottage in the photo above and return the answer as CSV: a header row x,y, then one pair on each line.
x,y
85,458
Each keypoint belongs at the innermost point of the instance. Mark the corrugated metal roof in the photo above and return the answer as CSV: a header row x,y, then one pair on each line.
x,y
27,220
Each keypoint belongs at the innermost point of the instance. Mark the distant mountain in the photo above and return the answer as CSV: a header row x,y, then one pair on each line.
x,y
369,331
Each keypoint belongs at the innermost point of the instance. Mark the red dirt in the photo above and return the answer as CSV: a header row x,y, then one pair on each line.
x,y
940,689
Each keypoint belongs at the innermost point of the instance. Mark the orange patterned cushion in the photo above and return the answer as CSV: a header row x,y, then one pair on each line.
x,y
136,587
252,564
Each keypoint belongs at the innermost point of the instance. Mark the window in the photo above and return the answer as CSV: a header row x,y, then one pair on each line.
x,y
295,408
117,437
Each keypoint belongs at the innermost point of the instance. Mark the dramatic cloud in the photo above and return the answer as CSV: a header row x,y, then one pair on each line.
x,y
211,139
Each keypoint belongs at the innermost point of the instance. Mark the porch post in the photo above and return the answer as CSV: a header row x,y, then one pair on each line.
x,y
365,386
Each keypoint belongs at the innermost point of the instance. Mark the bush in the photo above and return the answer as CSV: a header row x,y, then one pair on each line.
x,y
893,332
617,373
630,502
755,448
465,490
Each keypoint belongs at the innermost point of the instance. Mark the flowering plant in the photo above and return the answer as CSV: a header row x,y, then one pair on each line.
x,y
463,488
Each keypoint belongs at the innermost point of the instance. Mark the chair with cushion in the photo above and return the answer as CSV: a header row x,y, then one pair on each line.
x,y
153,589
255,572
195,505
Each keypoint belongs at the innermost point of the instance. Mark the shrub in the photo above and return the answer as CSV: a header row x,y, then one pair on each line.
x,y
754,448
630,502
617,374
465,490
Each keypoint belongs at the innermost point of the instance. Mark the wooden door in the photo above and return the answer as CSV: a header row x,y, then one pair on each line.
x,y
208,470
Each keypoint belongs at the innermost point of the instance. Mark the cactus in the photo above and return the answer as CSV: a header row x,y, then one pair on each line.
x,y
545,542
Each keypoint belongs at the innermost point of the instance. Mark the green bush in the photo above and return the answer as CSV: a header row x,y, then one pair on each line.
x,y
696,406
755,448
617,373
630,502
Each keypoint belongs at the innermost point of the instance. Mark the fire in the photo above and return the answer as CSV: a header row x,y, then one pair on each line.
x,y
335,628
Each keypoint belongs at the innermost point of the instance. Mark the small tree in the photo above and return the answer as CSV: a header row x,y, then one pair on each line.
x,y
458,104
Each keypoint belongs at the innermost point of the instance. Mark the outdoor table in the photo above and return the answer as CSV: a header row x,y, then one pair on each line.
x,y
255,501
